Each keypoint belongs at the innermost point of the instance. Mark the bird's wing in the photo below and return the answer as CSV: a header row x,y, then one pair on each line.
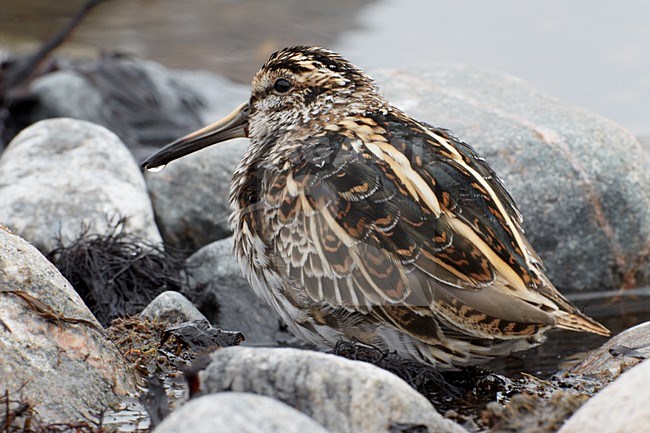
x,y
385,213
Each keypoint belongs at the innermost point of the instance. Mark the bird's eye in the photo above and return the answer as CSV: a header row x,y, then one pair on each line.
x,y
282,85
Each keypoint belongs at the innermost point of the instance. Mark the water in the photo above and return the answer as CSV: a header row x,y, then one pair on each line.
x,y
590,52
618,311
228,36
156,169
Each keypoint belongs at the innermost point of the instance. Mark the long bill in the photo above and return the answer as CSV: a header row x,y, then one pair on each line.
x,y
233,125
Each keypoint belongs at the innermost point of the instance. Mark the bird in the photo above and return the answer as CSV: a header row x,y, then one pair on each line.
x,y
356,222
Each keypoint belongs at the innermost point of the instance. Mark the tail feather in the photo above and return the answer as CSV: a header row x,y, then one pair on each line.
x,y
577,321
567,316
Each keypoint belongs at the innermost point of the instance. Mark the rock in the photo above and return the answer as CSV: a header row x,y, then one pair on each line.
x,y
60,177
202,179
618,354
44,358
620,407
579,179
645,144
172,307
235,412
147,106
190,196
142,102
217,287
340,394
219,95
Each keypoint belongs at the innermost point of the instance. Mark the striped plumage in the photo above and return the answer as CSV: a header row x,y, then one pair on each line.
x,y
355,221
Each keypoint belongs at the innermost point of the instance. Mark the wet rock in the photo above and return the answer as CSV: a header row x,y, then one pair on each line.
x,y
199,335
217,287
622,406
618,354
172,307
63,177
579,179
50,344
235,412
202,179
339,394
142,102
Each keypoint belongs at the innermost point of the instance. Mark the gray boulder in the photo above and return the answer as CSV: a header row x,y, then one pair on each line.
x,y
217,287
172,307
218,95
190,196
340,394
235,412
62,177
580,180
142,102
620,407
54,352
645,144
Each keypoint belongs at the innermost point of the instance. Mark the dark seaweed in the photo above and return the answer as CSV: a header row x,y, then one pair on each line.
x,y
469,388
117,274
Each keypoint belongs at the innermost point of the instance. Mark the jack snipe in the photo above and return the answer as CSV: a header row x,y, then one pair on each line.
x,y
354,220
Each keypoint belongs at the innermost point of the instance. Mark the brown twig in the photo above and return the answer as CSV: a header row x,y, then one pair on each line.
x,y
25,70
47,313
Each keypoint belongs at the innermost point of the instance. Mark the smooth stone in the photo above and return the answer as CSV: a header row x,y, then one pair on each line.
x,y
202,179
236,412
579,179
64,369
190,196
341,395
65,177
618,354
172,307
621,407
217,287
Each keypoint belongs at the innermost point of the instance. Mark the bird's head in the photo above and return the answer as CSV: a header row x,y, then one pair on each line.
x,y
298,87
